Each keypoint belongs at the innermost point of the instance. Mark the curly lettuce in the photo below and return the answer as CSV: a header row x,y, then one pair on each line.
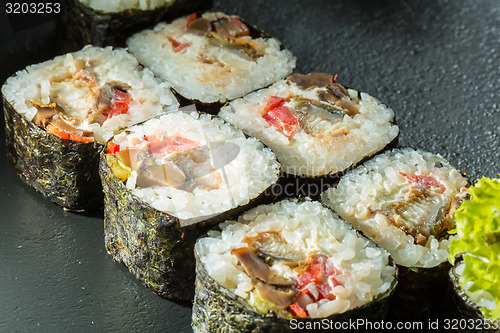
x,y
478,242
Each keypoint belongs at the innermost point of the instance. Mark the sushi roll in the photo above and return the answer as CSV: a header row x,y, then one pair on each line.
x,y
169,179
315,126
476,275
111,22
59,114
405,201
212,58
284,263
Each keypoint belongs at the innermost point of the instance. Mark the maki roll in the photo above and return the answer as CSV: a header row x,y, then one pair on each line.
x,y
111,22
476,277
405,201
58,115
212,58
290,261
166,181
314,125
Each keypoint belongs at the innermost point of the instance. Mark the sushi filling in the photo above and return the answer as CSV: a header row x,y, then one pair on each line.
x,y
419,208
477,242
314,265
115,6
211,58
88,95
314,125
405,200
319,114
75,101
175,162
191,165
224,31
486,301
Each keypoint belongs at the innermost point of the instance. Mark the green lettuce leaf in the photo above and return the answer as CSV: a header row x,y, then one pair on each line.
x,y
478,227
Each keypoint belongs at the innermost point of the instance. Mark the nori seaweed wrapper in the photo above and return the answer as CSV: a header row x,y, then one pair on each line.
x,y
217,309
152,244
84,25
63,170
458,306
419,293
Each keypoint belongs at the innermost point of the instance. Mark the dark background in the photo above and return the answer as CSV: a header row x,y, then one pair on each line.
x,y
435,63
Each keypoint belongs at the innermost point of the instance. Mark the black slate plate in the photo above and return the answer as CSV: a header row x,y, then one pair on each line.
x,y
436,63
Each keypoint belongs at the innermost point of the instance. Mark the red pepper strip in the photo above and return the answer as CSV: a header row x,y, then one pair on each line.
x,y
190,19
112,148
178,46
168,145
121,101
283,120
56,131
297,311
335,78
274,102
424,181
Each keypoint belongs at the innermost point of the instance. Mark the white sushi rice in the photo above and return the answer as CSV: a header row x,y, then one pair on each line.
x,y
150,96
312,229
253,170
361,192
368,132
229,73
114,6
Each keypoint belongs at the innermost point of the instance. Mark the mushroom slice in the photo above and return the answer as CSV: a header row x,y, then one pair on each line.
x,y
231,26
257,268
282,298
167,174
337,90
331,92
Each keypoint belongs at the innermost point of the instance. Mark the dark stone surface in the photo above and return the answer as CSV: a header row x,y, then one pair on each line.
x,y
436,63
